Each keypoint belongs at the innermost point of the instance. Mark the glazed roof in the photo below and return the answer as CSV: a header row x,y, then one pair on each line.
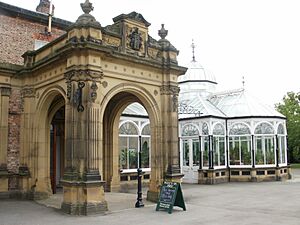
x,y
196,72
240,103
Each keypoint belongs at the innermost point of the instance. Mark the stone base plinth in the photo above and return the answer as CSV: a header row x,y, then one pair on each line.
x,y
83,197
4,188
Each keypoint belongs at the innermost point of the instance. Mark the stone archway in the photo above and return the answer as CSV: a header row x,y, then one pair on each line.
x,y
51,101
111,119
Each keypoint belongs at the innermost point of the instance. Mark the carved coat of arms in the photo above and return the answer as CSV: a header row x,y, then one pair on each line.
x,y
135,39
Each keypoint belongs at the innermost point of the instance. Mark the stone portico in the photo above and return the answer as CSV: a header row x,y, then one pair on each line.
x,y
93,73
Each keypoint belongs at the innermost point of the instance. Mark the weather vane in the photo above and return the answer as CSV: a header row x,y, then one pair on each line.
x,y
193,50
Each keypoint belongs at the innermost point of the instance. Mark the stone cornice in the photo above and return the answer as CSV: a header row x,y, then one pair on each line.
x,y
5,91
28,92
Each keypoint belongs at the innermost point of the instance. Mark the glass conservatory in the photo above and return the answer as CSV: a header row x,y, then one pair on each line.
x,y
223,136
228,136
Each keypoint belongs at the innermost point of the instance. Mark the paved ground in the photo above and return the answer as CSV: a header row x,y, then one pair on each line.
x,y
232,203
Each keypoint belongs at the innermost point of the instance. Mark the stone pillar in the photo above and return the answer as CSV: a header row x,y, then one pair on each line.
x,y
4,108
169,94
83,188
26,140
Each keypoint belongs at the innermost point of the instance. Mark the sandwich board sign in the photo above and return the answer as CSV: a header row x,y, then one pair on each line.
x,y
170,195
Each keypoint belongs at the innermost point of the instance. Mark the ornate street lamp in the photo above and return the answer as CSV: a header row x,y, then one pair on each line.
x,y
139,203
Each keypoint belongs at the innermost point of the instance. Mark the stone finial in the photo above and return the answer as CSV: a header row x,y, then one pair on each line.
x,y
87,7
87,18
162,32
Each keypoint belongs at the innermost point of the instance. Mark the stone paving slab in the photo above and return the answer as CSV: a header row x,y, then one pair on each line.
x,y
262,203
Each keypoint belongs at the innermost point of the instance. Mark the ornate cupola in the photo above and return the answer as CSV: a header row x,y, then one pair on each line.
x,y
197,79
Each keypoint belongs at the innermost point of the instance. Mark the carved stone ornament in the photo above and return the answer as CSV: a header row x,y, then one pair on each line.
x,y
87,7
69,89
136,39
28,92
169,90
5,91
83,75
78,97
94,89
162,32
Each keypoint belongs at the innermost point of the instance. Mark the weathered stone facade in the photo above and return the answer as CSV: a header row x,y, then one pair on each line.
x,y
94,73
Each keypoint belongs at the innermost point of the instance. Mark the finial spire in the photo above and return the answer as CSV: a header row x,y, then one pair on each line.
x,y
163,32
193,50
243,81
87,7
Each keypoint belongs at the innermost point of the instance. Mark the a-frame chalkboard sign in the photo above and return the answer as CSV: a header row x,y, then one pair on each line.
x,y
170,195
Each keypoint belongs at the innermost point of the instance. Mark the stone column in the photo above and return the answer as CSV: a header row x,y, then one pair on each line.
x,y
26,140
169,94
83,188
4,108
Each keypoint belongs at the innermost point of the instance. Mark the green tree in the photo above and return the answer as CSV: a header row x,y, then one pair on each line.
x,y
290,107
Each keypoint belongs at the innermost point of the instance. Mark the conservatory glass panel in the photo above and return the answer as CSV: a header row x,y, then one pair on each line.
x,y
239,129
234,150
133,152
196,152
269,149
219,130
280,129
186,152
259,151
145,163
128,128
123,146
146,130
205,149
219,151
264,128
282,149
245,150
190,130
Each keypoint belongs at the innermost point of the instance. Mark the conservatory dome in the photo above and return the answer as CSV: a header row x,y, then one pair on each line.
x,y
197,79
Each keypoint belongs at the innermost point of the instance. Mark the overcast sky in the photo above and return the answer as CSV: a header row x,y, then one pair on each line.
x,y
257,39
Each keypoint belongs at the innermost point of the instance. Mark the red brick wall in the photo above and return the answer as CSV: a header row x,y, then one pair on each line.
x,y
14,124
17,36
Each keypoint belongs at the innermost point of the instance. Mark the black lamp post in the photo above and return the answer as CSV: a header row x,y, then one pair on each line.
x,y
139,203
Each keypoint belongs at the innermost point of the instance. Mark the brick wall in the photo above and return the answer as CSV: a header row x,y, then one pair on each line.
x,y
17,36
14,124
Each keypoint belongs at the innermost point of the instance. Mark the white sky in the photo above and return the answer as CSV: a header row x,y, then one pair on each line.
x,y
257,39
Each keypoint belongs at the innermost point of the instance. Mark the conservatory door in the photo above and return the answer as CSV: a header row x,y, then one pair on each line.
x,y
191,156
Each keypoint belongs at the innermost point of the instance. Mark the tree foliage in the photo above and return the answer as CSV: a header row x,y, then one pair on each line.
x,y
290,107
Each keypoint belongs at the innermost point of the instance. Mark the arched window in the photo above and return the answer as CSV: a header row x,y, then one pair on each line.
x,y
281,138
240,145
205,145
264,144
128,145
219,145
146,143
128,128
190,130
190,145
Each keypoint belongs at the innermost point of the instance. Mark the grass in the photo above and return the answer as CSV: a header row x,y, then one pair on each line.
x,y
295,165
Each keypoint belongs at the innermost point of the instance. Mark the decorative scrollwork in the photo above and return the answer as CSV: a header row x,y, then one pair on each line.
x,y
78,97
184,108
94,89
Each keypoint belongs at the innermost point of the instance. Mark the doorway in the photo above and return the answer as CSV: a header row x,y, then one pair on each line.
x,y
191,160
57,149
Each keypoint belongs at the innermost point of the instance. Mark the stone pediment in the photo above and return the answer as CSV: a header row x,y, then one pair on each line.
x,y
132,16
